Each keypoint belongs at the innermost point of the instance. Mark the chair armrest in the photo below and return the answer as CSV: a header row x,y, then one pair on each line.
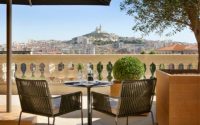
x,y
101,102
73,93
99,94
105,95
100,97
55,97
115,97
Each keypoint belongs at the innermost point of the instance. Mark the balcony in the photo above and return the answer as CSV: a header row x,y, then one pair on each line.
x,y
56,76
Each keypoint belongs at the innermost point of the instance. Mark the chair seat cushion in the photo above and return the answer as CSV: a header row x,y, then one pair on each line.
x,y
114,105
56,104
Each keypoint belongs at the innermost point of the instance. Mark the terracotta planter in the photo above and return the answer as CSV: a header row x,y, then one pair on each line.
x,y
115,88
178,97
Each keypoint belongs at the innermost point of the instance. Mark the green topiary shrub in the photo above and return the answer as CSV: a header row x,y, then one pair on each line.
x,y
80,67
99,70
128,68
109,68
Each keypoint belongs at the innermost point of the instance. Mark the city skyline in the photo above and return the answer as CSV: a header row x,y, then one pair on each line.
x,y
66,22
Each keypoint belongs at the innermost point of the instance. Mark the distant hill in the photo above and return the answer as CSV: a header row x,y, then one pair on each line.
x,y
96,37
131,40
99,37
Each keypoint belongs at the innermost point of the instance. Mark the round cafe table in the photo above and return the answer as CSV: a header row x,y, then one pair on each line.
x,y
88,85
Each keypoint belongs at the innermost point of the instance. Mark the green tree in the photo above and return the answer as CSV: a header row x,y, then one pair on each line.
x,y
159,15
152,52
143,52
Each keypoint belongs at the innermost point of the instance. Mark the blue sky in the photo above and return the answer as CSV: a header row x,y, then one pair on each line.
x,y
66,22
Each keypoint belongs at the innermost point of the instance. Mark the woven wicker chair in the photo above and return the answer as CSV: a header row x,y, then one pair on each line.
x,y
136,99
35,98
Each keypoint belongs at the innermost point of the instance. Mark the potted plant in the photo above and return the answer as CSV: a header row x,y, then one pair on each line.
x,y
177,95
145,69
71,71
90,68
80,70
71,66
152,70
109,68
99,70
23,69
126,68
80,67
161,66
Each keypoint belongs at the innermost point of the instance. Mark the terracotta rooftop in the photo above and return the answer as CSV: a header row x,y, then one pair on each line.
x,y
179,47
191,47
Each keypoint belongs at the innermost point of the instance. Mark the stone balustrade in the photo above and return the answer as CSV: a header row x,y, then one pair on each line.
x,y
58,68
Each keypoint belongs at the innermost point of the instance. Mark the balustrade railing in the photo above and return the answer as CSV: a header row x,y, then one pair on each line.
x,y
57,68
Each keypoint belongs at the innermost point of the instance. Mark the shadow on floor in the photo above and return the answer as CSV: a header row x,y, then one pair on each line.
x,y
99,118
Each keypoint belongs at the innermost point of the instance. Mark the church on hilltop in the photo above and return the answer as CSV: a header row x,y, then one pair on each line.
x,y
96,35
98,29
99,35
